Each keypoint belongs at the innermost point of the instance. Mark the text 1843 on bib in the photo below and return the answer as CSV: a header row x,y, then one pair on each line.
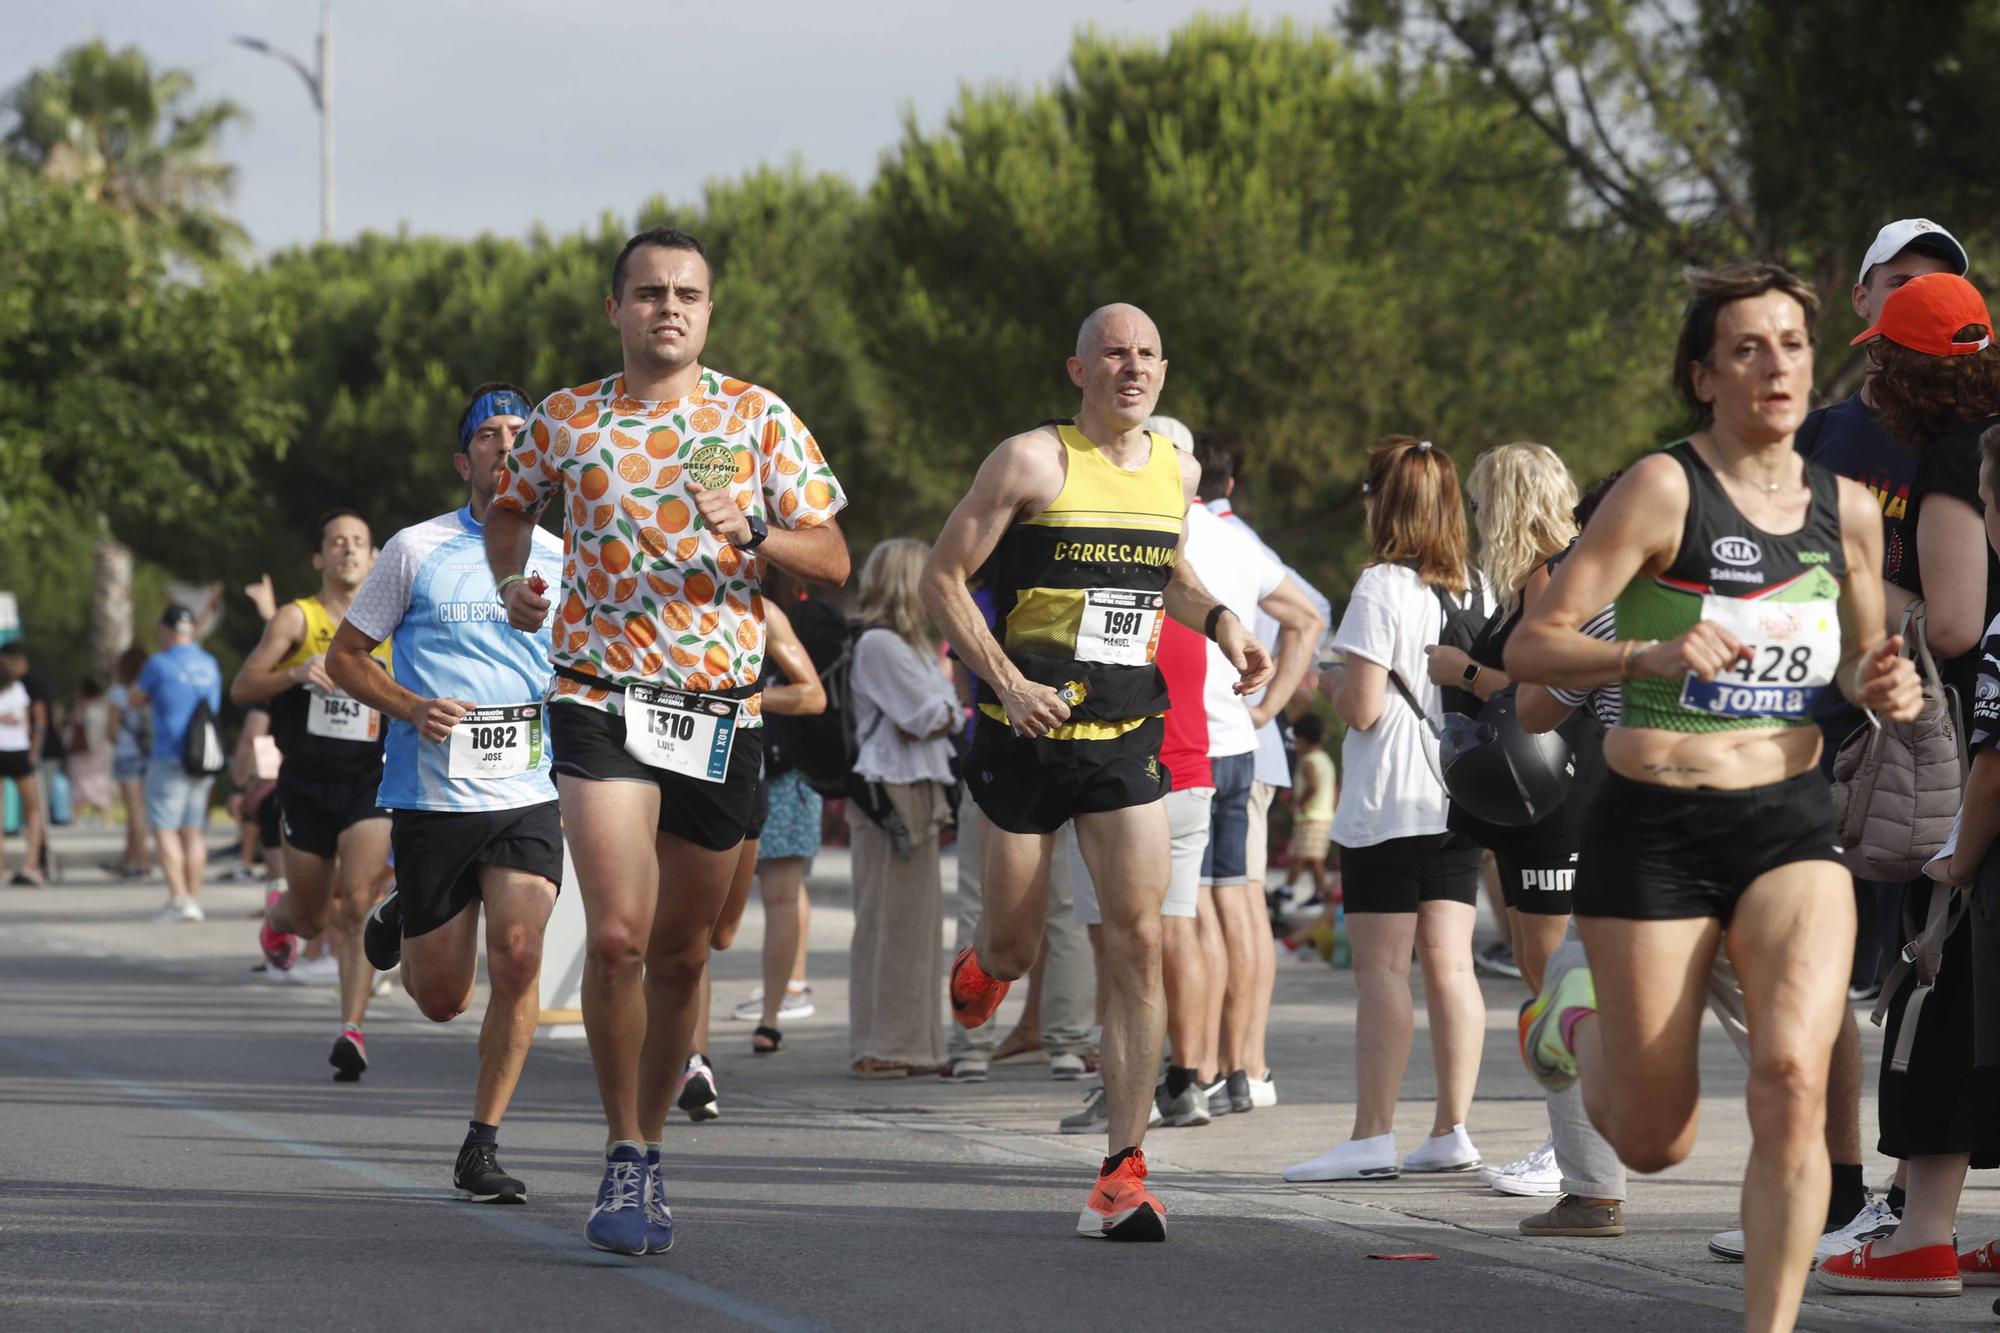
x,y
342,717
689,734
497,742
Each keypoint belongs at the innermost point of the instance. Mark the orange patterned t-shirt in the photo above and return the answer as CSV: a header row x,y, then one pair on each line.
x,y
649,594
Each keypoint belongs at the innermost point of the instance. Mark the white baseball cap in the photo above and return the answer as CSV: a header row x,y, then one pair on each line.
x,y
1920,234
1171,427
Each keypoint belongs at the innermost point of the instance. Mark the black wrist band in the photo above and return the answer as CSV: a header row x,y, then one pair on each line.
x,y
1214,615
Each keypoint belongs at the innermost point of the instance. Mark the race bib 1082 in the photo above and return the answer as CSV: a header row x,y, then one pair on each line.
x,y
499,742
1119,627
1794,650
688,734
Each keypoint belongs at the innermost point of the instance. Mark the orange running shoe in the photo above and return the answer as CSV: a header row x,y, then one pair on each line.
x,y
1121,1207
974,995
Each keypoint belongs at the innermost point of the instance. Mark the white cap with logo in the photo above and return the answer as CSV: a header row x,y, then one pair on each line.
x,y
1919,233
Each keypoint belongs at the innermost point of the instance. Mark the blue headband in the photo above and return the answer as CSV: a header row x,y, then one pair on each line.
x,y
498,403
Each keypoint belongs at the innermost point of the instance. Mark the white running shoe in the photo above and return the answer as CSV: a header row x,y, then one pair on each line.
x,y
171,912
190,910
1534,1176
321,971
1264,1091
796,1004
1067,1067
1350,1159
1444,1153
1874,1221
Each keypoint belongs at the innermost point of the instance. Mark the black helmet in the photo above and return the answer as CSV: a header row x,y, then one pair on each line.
x,y
1500,773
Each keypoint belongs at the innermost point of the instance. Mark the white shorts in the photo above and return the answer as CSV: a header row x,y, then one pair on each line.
x,y
1187,829
1257,848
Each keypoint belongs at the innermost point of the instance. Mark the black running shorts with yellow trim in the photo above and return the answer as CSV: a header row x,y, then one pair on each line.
x,y
590,743
1026,786
438,855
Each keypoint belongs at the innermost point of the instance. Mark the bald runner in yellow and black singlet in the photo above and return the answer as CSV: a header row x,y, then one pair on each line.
x,y
1082,591
1079,525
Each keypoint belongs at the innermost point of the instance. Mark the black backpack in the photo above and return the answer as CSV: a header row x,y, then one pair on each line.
x,y
823,747
202,754
1460,628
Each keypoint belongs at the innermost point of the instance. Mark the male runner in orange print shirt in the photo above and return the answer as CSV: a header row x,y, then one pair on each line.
x,y
677,485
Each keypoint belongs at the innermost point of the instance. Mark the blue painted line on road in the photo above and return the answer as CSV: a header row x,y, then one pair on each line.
x,y
507,1219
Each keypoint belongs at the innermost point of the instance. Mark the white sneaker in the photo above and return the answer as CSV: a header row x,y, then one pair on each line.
x,y
1874,1217
1066,1067
796,1004
171,912
1534,1176
1264,1091
1350,1159
1444,1152
321,971
1489,1174
190,910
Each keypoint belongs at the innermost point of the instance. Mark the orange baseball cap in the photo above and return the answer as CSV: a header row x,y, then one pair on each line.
x,y
1924,315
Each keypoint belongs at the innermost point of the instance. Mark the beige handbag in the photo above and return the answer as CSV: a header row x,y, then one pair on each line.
x,y
1897,785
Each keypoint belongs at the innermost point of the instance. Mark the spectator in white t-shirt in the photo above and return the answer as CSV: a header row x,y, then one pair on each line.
x,y
1409,884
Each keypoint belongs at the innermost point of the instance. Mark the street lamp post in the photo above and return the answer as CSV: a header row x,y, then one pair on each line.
x,y
319,86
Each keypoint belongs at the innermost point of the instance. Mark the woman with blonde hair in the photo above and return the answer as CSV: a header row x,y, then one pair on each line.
x,y
905,712
1410,884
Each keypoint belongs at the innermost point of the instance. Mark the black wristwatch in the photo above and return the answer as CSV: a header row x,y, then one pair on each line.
x,y
759,530
1472,670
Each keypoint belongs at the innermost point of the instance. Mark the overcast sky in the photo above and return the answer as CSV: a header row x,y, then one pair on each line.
x,y
462,116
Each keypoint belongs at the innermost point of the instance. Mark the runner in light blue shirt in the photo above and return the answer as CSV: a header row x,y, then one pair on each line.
x,y
465,776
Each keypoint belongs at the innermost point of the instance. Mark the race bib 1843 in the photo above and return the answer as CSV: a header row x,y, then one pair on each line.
x,y
501,742
1119,627
342,717
1794,652
689,734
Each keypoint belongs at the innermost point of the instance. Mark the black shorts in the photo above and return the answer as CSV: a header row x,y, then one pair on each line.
x,y
1026,786
1653,853
760,810
590,743
438,855
16,764
315,813
1396,875
270,825
1542,886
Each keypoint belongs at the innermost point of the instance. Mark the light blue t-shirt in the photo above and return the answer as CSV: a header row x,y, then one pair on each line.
x,y
432,594
174,682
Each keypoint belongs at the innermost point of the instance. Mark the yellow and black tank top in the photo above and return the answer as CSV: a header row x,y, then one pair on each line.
x,y
1779,594
318,754
1079,590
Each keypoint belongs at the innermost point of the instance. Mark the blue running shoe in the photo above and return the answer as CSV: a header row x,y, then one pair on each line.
x,y
659,1217
618,1222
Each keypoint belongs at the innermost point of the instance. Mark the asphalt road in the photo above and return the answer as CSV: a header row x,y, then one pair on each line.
x,y
174,1155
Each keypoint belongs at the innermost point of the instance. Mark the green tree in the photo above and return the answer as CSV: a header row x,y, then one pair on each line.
x,y
131,138
1333,250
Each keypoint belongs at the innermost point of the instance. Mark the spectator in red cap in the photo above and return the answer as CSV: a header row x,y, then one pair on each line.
x,y
1936,386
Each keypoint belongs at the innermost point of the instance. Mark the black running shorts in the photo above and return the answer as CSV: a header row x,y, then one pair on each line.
x,y
1026,786
1544,886
1653,853
270,827
760,810
590,743
438,855
1397,875
16,764
315,813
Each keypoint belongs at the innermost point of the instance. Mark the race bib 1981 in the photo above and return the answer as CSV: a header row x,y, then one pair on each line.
x,y
502,742
1794,652
1119,627
689,734
342,717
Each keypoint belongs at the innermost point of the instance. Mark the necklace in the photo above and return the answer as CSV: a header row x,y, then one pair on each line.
x,y
1768,487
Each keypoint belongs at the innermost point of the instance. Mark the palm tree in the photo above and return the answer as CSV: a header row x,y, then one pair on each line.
x,y
130,138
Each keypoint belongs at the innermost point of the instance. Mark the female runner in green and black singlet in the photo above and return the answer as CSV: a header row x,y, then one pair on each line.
x,y
1746,581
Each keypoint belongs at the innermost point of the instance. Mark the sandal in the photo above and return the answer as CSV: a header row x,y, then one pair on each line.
x,y
870,1067
766,1041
